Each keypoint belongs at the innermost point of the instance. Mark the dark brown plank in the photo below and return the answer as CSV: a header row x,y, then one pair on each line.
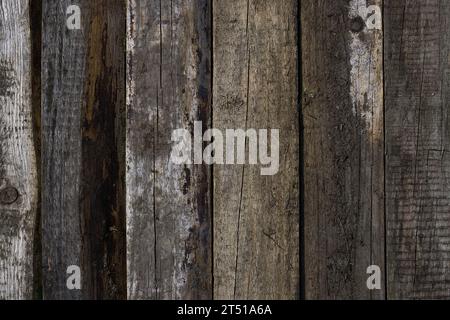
x,y
417,70
343,149
83,100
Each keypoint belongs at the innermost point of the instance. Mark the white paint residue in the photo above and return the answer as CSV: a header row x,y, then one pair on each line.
x,y
359,60
364,58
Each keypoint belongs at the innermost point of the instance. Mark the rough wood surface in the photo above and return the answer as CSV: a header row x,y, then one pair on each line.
x,y
18,175
417,68
82,188
168,205
256,218
343,149
86,126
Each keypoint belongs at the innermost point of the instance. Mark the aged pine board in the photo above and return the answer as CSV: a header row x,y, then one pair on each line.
x,y
417,69
83,99
342,111
256,218
168,205
18,170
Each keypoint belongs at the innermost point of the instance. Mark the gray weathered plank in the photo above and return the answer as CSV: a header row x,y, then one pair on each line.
x,y
343,149
168,205
417,68
18,175
83,98
256,218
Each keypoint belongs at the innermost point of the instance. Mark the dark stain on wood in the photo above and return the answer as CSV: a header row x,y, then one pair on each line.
x,y
83,150
102,190
36,49
7,78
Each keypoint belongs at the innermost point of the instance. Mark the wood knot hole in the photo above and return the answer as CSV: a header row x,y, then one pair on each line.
x,y
8,195
357,24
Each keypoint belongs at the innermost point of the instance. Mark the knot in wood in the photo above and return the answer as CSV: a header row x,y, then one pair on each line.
x,y
357,24
8,195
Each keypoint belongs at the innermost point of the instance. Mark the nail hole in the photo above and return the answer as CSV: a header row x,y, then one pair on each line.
x,y
357,24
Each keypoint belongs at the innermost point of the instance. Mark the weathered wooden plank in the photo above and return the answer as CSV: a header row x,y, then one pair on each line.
x,y
83,96
18,175
168,205
256,217
417,68
343,149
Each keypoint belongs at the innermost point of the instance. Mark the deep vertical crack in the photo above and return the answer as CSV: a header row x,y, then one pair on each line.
x,y
246,146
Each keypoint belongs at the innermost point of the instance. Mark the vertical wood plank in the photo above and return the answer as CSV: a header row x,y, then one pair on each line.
x,y
168,205
256,218
83,97
343,149
18,175
417,64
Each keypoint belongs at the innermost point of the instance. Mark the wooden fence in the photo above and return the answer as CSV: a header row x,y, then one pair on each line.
x,y
87,114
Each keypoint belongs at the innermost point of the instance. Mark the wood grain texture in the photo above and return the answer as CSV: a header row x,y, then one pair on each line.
x,y
18,175
256,218
343,149
83,100
168,205
417,66
86,143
